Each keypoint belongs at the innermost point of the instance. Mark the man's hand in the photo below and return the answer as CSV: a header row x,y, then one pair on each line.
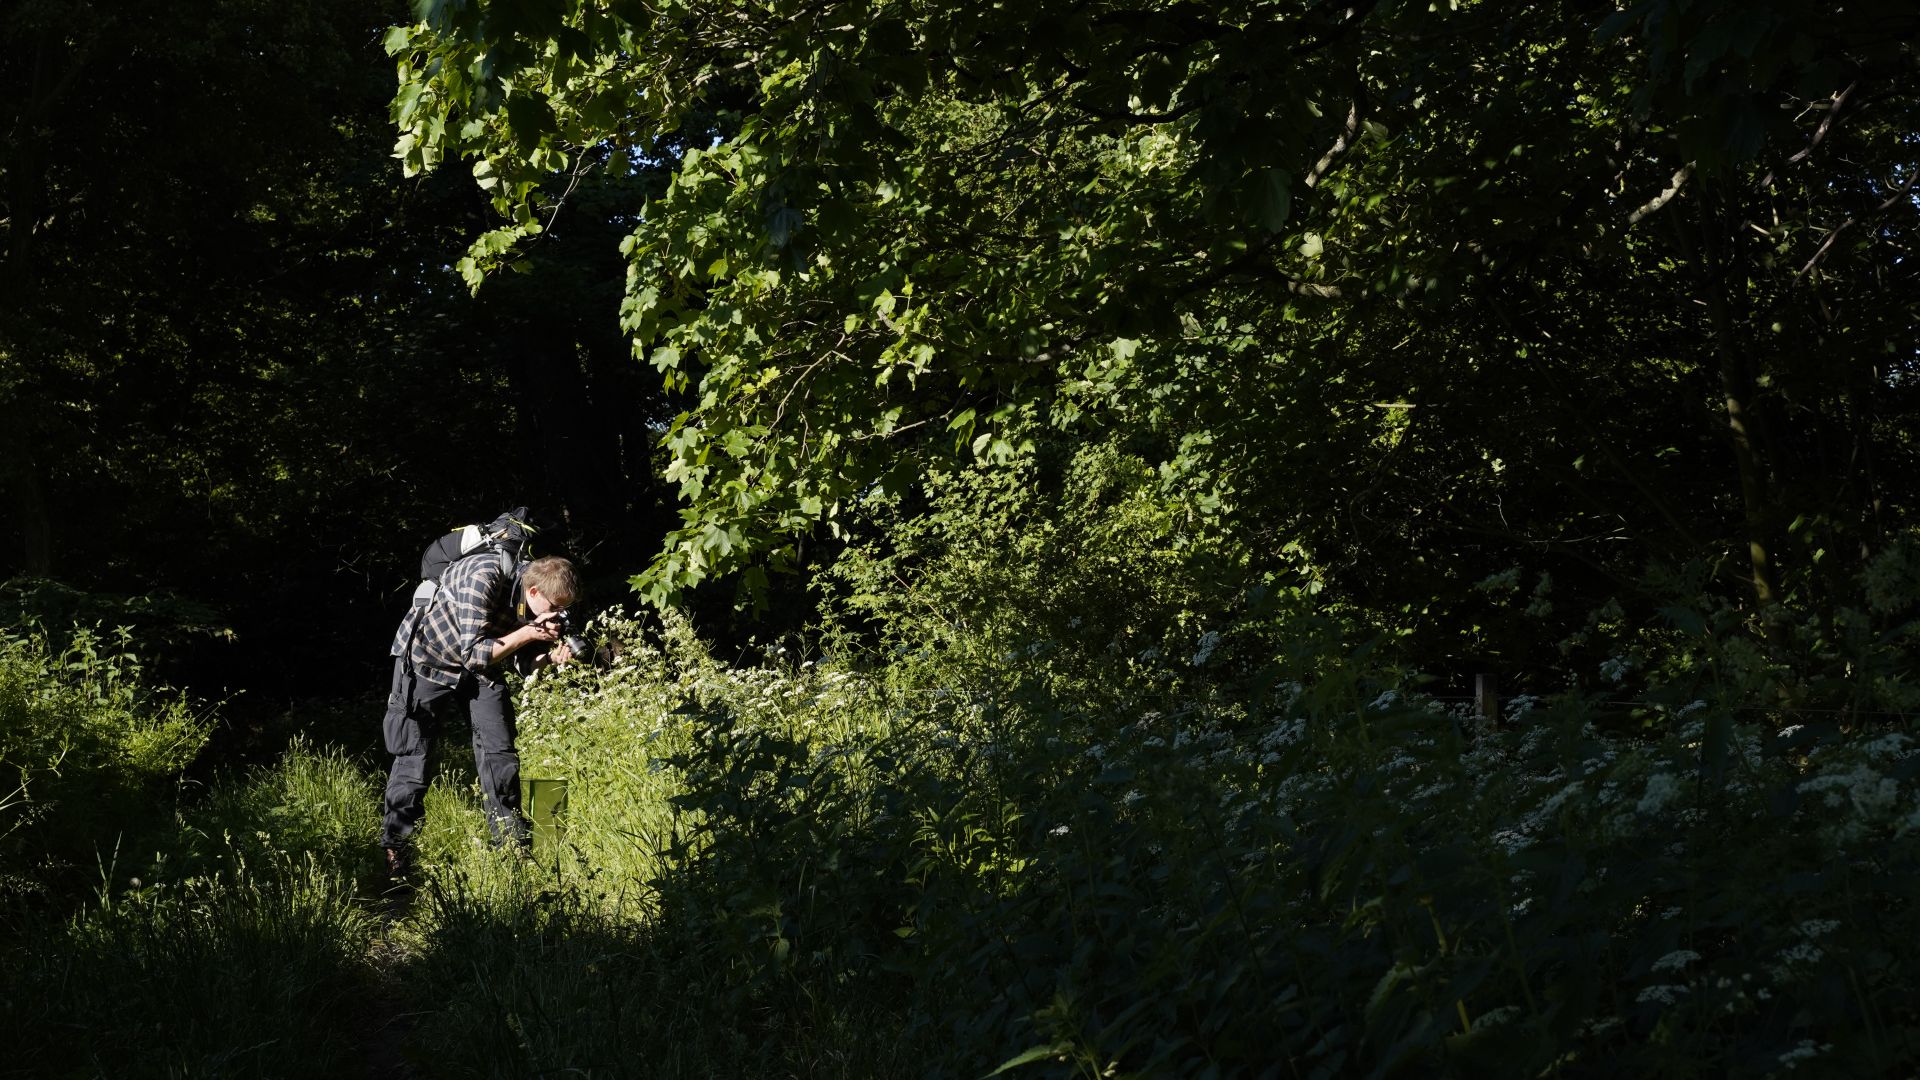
x,y
539,630
560,654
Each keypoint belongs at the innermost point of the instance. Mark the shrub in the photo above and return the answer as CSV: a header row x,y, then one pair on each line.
x,y
811,870
85,749
230,939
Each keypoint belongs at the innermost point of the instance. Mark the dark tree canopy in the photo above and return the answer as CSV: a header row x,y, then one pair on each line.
x,y
1400,295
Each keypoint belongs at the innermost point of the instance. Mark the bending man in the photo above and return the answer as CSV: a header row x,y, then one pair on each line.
x,y
457,647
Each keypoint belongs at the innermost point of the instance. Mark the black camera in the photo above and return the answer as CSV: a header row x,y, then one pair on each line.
x,y
563,621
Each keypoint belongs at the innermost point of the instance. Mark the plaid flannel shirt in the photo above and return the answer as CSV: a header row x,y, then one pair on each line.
x,y
457,633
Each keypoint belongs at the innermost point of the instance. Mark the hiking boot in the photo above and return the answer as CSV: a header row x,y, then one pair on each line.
x,y
399,863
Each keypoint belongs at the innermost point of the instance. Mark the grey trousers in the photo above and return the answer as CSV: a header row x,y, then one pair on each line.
x,y
409,729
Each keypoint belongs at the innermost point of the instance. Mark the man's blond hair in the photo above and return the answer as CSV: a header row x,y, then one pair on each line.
x,y
556,579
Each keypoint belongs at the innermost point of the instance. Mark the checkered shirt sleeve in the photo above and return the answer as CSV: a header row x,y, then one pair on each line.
x,y
461,629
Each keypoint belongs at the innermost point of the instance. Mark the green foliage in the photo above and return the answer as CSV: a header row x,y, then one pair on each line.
x,y
85,749
236,367
940,867
689,925
253,972
1532,284
1114,584
1064,861
224,936
157,621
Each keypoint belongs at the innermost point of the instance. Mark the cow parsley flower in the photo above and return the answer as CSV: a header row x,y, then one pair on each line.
x,y
1665,994
1662,790
1675,960
1209,641
1807,1050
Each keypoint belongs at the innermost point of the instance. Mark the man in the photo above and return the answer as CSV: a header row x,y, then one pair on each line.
x,y
456,646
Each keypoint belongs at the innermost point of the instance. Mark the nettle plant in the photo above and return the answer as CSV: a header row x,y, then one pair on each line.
x,y
1209,863
86,745
1380,891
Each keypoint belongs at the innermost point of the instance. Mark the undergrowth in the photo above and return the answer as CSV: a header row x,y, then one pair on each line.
x,y
982,850
153,928
813,871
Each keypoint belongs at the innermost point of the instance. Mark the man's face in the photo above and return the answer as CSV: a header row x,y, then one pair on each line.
x,y
539,603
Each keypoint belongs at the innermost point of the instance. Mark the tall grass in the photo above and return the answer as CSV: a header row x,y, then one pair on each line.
x,y
160,930
954,864
253,971
812,872
86,749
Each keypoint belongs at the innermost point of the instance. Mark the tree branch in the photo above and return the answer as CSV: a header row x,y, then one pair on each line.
x,y
1665,197
1837,103
1889,203
1339,147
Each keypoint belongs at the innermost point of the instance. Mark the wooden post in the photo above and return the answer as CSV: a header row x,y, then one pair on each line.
x,y
546,803
1486,698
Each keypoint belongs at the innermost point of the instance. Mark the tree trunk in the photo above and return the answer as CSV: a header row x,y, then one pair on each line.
x,y
1736,392
27,496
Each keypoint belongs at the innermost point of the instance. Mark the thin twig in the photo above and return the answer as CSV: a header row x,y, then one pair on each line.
x,y
1827,245
1838,103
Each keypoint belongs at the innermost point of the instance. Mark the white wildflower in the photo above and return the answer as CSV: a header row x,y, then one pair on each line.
x,y
1209,641
1519,706
1536,740
1872,794
1505,1014
1599,1027
1665,994
1675,960
1807,1050
1559,799
1512,840
1819,927
1806,952
1283,734
1662,789
1892,744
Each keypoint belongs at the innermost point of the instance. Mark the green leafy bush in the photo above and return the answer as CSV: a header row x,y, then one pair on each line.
x,y
227,936
811,869
85,749
254,970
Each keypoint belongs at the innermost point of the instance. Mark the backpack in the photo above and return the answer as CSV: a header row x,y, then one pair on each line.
x,y
507,538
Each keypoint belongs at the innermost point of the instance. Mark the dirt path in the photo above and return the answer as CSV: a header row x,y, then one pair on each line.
x,y
386,1019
